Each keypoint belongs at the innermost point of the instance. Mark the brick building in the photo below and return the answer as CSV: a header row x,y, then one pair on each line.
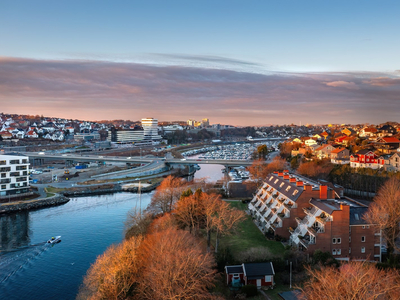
x,y
314,216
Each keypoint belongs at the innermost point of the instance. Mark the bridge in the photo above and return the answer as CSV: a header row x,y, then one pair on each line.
x,y
134,159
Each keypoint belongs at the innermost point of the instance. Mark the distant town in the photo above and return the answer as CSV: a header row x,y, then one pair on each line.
x,y
308,195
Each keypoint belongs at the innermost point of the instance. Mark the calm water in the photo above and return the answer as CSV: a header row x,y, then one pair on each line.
x,y
30,269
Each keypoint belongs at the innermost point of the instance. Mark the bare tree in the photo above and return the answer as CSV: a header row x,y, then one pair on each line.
x,y
188,213
227,219
260,169
114,274
167,193
137,223
176,267
385,212
354,280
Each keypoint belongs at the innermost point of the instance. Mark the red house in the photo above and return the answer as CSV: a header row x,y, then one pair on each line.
x,y
365,159
258,274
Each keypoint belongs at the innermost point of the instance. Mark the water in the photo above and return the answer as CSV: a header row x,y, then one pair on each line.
x,y
211,173
30,269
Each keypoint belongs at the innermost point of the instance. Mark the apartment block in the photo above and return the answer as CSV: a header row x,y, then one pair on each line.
x,y
312,216
14,177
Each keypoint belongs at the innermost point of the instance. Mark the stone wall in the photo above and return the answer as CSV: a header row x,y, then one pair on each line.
x,y
33,204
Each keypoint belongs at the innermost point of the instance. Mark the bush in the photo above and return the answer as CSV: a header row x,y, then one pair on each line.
x,y
250,290
224,258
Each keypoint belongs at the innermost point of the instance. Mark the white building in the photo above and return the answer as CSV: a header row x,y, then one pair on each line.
x,y
150,127
14,177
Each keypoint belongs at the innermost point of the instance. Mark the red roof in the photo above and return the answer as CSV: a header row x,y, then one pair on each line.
x,y
337,150
390,140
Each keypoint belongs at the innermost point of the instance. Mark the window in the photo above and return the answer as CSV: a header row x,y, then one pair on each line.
x,y
363,239
281,185
367,226
3,187
288,188
295,192
363,227
339,251
357,217
349,239
333,251
349,250
272,177
362,249
276,181
3,175
268,278
235,276
339,240
333,241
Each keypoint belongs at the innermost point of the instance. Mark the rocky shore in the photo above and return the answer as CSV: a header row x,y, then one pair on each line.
x,y
32,204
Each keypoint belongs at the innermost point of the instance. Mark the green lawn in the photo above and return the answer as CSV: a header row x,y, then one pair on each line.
x,y
249,236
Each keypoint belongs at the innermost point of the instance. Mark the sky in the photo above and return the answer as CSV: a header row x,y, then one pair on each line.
x,y
234,62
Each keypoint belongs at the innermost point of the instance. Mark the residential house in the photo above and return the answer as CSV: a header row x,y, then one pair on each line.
x,y
348,131
386,130
387,145
310,142
258,274
325,135
391,162
368,132
365,159
324,151
340,156
5,134
32,134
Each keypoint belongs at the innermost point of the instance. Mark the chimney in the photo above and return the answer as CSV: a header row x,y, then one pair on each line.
x,y
286,176
280,174
292,179
299,183
323,192
307,187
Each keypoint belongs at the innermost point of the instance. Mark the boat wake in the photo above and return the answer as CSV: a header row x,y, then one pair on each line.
x,y
15,260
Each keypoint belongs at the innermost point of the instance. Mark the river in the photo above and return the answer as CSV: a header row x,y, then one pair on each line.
x,y
30,269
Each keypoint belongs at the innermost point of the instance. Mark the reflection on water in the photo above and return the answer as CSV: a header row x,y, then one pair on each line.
x,y
14,231
32,269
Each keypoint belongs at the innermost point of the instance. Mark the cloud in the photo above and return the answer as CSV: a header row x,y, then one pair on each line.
x,y
383,81
96,90
340,83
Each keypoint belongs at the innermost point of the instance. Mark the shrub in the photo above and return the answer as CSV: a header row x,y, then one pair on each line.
x,y
250,290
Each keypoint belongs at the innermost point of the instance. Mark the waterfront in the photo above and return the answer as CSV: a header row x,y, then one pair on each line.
x,y
29,269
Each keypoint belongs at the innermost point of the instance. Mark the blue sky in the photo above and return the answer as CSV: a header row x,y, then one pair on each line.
x,y
344,39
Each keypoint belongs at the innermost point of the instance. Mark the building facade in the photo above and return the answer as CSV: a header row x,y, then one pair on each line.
x,y
14,177
150,128
314,216
125,135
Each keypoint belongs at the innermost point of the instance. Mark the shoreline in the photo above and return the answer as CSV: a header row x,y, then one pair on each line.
x,y
64,197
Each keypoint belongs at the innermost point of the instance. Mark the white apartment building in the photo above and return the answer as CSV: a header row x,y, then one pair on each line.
x,y
14,177
150,127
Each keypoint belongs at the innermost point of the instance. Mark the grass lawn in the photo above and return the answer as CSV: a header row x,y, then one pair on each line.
x,y
51,189
249,236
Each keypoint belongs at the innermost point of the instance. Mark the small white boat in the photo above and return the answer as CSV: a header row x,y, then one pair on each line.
x,y
54,240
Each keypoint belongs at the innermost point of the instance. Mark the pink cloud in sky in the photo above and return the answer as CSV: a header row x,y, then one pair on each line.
x,y
341,83
97,90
